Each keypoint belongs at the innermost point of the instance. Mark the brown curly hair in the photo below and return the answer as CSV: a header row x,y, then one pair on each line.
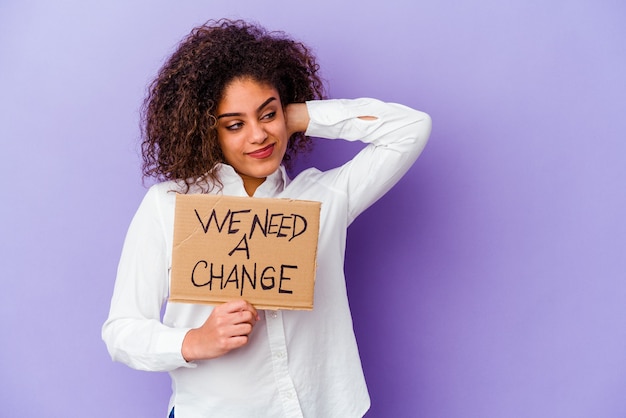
x,y
179,139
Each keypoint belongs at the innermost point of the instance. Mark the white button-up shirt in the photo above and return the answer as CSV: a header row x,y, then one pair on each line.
x,y
296,363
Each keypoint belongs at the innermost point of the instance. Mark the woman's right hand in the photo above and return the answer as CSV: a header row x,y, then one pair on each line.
x,y
296,118
227,328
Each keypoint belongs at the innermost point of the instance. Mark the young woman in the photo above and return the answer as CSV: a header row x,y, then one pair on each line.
x,y
231,106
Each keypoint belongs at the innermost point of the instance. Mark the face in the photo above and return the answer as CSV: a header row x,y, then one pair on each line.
x,y
251,130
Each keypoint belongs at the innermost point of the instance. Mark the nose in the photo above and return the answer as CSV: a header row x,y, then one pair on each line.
x,y
258,135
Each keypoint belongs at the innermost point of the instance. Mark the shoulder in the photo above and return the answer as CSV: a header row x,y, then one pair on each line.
x,y
313,181
164,190
308,175
160,199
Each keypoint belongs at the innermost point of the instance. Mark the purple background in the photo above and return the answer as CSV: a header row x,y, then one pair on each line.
x,y
491,282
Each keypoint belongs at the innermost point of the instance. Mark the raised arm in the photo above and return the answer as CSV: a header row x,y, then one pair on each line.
x,y
395,134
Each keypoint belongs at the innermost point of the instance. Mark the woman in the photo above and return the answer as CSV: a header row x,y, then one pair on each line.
x,y
231,106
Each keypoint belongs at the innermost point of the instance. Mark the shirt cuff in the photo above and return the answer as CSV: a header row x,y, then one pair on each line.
x,y
170,344
329,118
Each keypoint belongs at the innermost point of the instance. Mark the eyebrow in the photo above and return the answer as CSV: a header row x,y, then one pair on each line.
x,y
265,103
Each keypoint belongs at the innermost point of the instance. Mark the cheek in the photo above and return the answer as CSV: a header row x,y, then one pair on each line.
x,y
226,147
280,131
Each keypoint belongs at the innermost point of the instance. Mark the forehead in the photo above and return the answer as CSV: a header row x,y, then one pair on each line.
x,y
246,93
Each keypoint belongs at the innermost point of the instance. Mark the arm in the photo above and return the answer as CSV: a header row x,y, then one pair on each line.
x,y
395,134
226,329
133,332
297,117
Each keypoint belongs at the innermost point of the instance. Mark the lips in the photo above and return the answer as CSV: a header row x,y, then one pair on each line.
x,y
263,152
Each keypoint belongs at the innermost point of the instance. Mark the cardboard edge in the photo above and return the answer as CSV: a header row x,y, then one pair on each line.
x,y
261,306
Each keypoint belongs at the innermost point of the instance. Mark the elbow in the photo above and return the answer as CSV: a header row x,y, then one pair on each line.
x,y
422,128
424,123
428,127
108,337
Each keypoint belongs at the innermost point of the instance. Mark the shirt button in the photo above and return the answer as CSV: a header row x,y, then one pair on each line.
x,y
280,354
273,314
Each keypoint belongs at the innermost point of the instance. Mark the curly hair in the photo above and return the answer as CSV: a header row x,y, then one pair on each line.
x,y
179,139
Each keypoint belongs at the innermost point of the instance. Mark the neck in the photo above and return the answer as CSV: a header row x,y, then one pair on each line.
x,y
251,183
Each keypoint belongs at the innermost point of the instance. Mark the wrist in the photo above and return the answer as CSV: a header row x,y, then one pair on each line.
x,y
187,350
296,118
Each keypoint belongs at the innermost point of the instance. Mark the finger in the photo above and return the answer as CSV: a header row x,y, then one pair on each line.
x,y
241,305
241,330
244,317
234,331
235,306
249,307
255,313
238,341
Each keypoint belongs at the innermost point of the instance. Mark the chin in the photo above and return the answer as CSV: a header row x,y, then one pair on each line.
x,y
261,173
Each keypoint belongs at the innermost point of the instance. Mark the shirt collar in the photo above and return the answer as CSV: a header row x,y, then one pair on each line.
x,y
273,185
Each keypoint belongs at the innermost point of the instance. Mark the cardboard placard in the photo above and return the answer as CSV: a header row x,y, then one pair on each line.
x,y
261,250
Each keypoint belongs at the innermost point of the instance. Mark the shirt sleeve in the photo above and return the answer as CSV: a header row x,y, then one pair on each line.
x,y
133,332
395,134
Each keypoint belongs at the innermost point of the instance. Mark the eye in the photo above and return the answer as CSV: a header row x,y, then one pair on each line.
x,y
269,116
234,126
